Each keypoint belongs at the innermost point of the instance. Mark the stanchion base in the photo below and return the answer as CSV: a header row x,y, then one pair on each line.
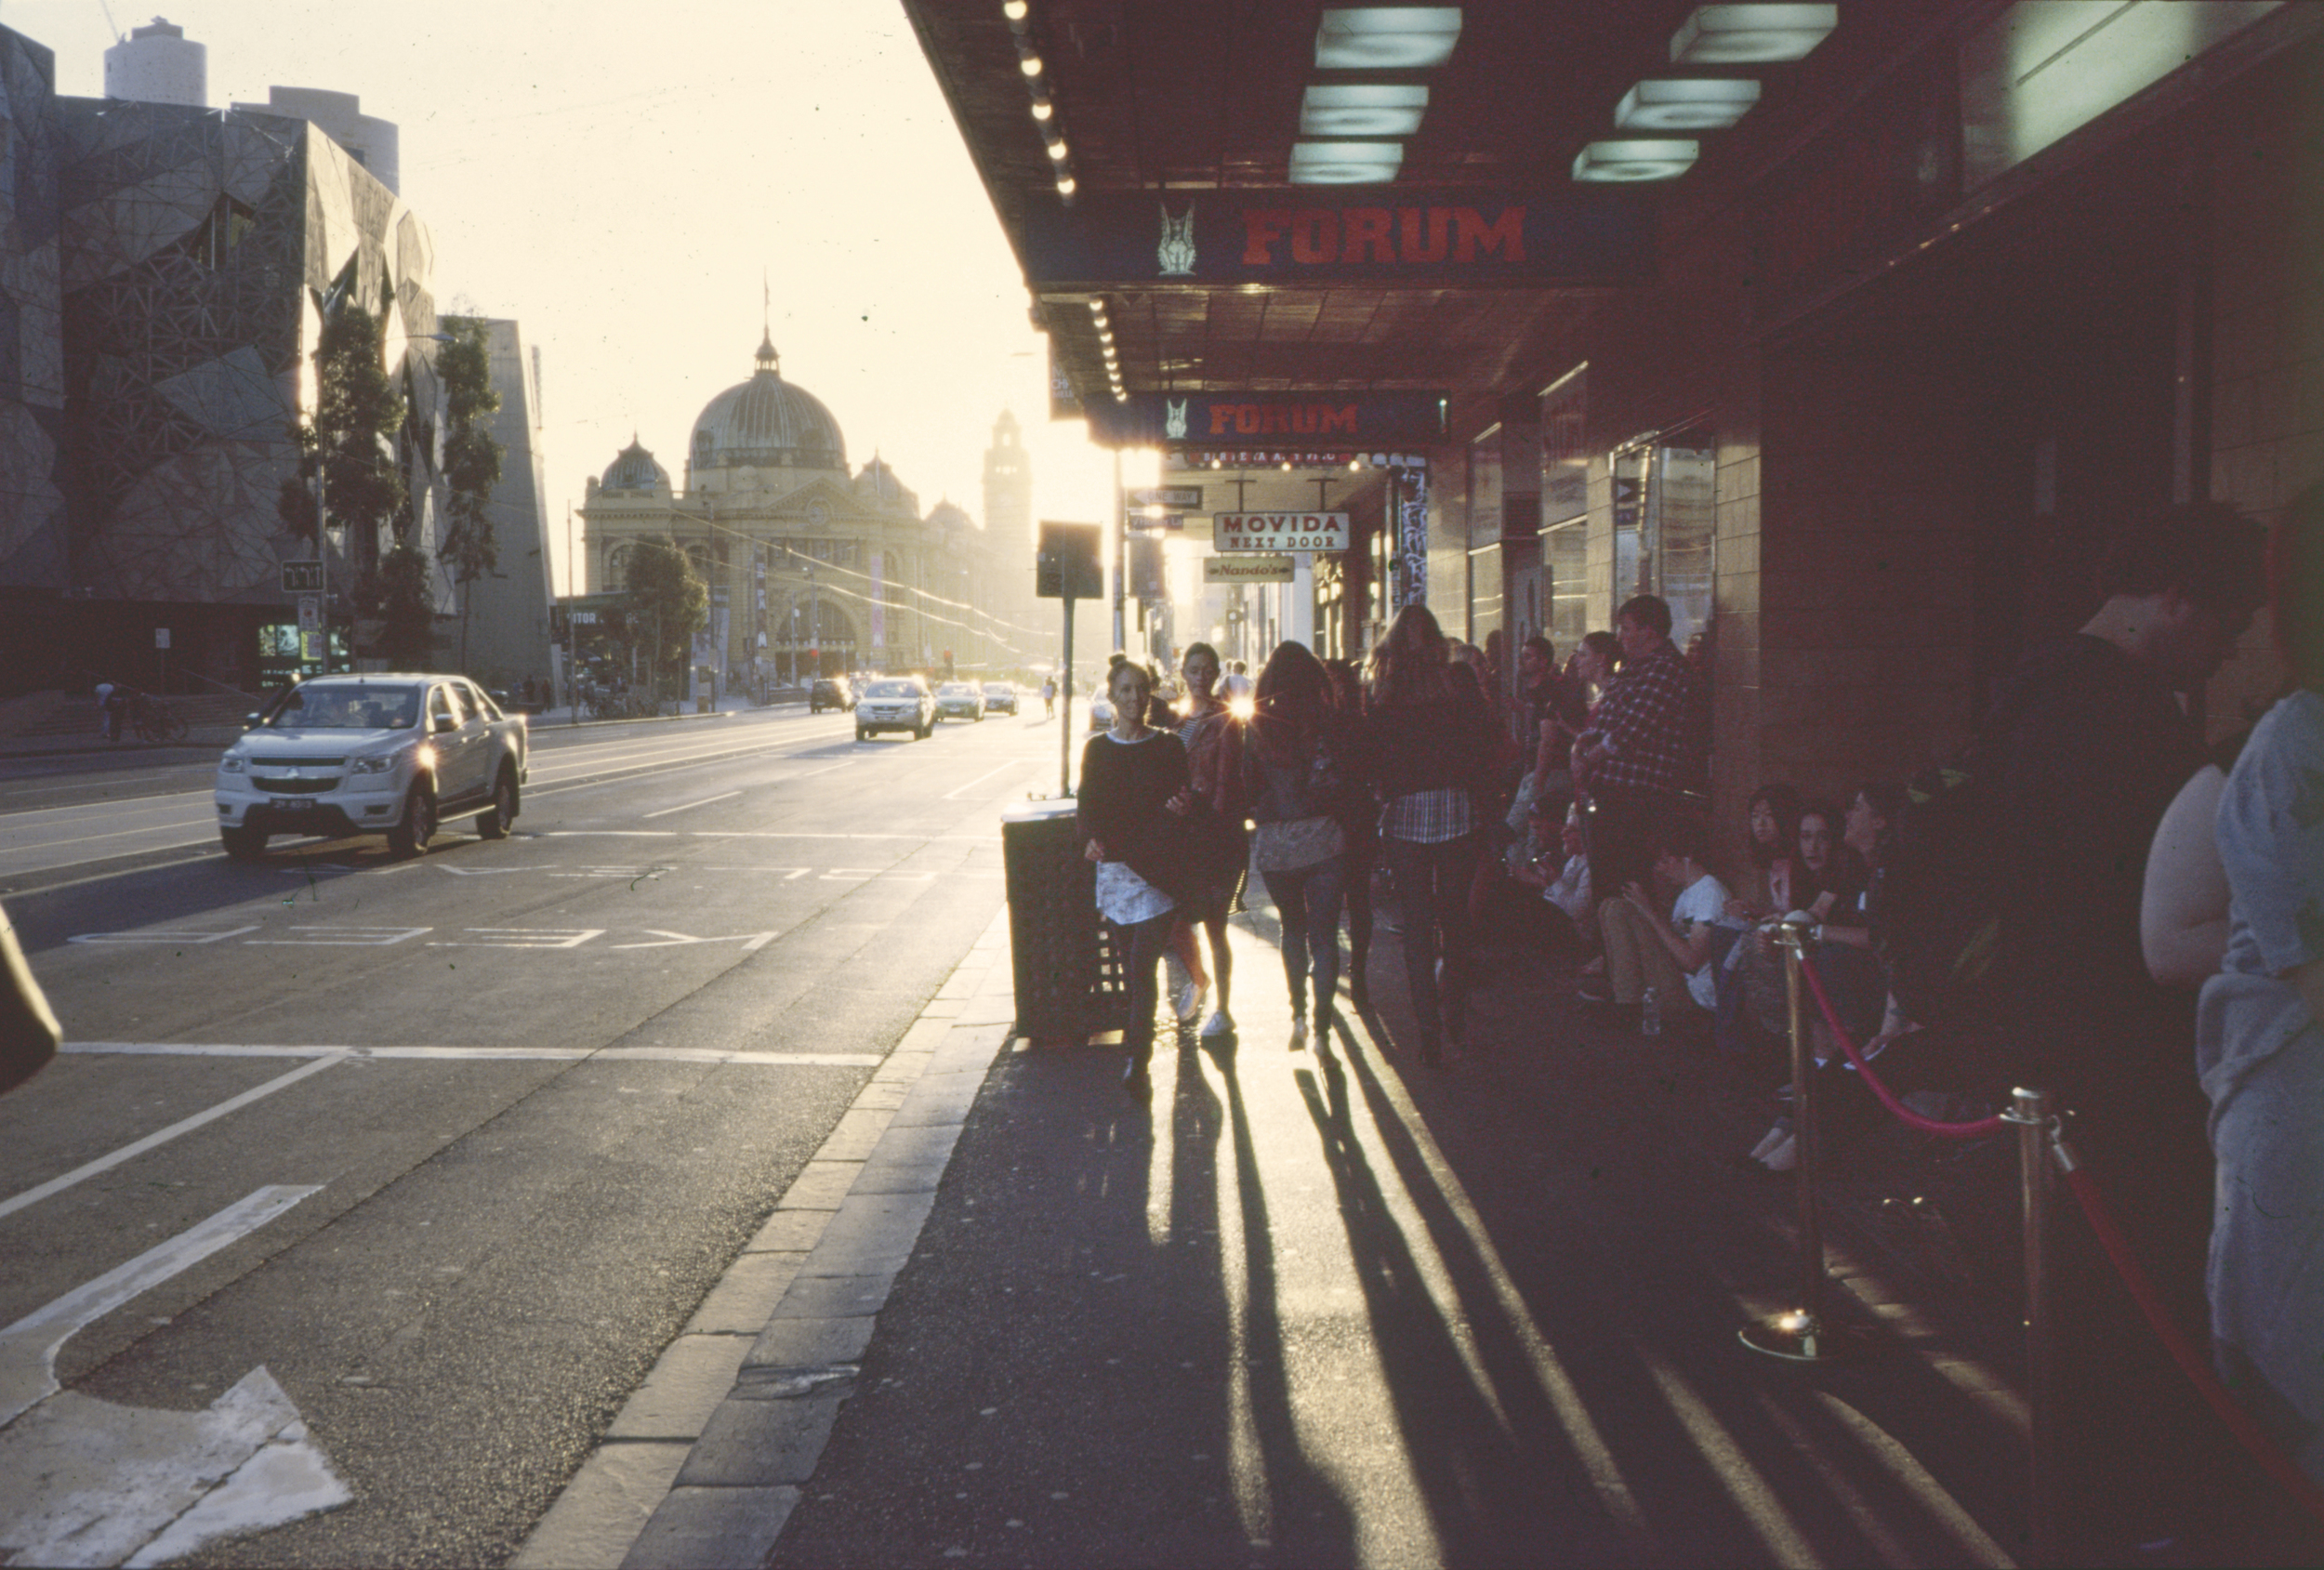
x,y
1797,1336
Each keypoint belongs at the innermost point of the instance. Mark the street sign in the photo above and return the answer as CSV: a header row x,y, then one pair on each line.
x,y
1066,565
1169,522
161,638
1279,531
1246,569
302,578
1166,495
310,613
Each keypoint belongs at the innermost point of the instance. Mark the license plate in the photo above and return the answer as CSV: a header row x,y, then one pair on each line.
x,y
290,804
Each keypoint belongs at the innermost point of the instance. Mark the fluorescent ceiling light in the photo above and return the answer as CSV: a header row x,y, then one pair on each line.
x,y
1630,160
1702,104
1345,163
1361,109
1745,34
1387,38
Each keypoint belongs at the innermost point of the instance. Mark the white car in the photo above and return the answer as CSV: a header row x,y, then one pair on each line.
x,y
895,702
372,754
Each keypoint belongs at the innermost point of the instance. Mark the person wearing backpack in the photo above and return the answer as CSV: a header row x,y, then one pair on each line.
x,y
2067,779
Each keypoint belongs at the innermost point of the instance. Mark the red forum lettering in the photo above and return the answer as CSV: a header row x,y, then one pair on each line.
x,y
1261,228
1506,234
1220,415
1275,420
1439,220
1341,419
1315,235
1365,229
1247,419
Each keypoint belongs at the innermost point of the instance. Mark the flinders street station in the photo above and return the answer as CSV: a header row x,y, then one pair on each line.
x,y
814,568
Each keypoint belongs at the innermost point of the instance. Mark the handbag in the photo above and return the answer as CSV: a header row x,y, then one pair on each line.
x,y
1300,843
29,1032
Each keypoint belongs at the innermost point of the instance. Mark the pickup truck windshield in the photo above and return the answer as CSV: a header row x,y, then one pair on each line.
x,y
350,706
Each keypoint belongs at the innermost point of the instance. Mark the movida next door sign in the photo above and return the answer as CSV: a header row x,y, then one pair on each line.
x,y
1303,235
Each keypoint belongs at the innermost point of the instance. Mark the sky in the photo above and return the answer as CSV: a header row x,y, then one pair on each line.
x,y
618,178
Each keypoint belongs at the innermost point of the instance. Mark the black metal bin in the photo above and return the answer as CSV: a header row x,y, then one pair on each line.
x,y
1071,982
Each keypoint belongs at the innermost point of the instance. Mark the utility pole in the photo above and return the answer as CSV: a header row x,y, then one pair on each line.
x,y
573,579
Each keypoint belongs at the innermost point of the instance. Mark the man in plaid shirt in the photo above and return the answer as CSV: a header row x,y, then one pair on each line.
x,y
1644,746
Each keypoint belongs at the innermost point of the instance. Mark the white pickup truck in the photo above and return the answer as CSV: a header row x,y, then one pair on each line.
x,y
372,754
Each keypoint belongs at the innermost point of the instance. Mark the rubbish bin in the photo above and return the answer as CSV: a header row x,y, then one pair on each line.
x,y
1071,983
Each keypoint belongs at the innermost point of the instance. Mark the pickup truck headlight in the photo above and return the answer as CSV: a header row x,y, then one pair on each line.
x,y
375,763
233,763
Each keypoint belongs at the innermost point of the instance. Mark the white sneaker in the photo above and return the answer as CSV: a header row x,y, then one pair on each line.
x,y
1784,1157
1186,994
1218,1023
1770,1140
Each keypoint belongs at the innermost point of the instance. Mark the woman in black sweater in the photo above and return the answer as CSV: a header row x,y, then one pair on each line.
x,y
1429,746
1135,794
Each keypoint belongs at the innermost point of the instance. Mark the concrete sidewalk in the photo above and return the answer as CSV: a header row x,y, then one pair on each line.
x,y
1316,1306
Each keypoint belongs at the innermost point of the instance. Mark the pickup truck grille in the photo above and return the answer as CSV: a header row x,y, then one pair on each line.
x,y
292,787
296,763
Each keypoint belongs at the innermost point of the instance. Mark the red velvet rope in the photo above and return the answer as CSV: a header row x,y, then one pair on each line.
x,y
1888,1100
2265,1450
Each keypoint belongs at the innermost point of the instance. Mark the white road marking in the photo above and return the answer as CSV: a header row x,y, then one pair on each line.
x,y
161,935
805,833
29,1347
330,1055
521,937
606,832
482,1054
959,791
692,805
752,942
86,1482
343,937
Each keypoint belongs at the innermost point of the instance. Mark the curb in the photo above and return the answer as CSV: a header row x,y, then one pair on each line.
x,y
705,1461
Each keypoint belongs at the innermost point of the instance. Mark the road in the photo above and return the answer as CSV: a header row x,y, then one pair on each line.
x,y
403,1173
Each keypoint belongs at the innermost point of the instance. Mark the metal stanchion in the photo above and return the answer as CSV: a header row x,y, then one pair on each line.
x,y
1799,1334
2031,1110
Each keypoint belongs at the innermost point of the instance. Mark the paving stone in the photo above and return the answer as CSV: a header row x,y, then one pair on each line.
x,y
821,1186
900,1177
746,1295
712,1529
853,1137
915,1143
789,1231
833,1296
598,1517
686,1385
759,1444
810,1343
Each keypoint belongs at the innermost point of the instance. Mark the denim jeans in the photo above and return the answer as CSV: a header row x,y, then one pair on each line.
x,y
1142,947
1433,890
1307,901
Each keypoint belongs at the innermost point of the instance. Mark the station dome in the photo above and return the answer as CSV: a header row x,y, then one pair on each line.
x,y
766,423
633,469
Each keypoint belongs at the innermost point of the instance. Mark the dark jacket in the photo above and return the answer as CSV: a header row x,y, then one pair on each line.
x,y
1442,744
1124,786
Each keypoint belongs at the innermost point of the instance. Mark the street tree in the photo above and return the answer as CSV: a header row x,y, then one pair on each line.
x,y
472,459
668,603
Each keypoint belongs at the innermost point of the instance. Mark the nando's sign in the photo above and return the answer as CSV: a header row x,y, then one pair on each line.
x,y
1323,235
1328,421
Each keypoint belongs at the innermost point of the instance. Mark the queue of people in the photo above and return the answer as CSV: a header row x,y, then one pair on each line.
x,y
1563,813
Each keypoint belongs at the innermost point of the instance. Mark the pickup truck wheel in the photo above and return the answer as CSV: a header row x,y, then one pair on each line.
x,y
244,844
410,838
493,821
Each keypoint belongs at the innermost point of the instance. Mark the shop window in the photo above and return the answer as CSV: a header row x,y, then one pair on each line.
x,y
1665,528
1564,554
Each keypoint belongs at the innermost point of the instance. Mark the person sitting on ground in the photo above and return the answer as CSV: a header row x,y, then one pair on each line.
x,y
1551,862
1671,956
1779,884
1841,940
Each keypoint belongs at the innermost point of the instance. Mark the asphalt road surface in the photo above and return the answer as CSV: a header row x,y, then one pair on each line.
x,y
398,1176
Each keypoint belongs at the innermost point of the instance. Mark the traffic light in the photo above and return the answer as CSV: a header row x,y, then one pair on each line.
x,y
1066,565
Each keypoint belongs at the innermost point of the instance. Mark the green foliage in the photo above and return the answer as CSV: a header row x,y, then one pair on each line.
x,y
471,458
666,593
396,594
350,440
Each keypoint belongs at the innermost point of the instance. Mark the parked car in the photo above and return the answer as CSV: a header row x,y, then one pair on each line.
x,y
830,691
960,700
999,698
896,703
372,754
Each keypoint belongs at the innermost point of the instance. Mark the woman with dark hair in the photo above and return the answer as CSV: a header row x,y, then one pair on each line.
x,y
1293,774
1430,748
1359,822
1773,842
2259,1048
1135,794
1213,739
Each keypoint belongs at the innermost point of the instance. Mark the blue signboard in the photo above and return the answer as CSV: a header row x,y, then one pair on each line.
x,y
1316,234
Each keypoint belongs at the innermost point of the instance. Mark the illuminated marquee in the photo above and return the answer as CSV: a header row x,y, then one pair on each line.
x,y
1273,531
